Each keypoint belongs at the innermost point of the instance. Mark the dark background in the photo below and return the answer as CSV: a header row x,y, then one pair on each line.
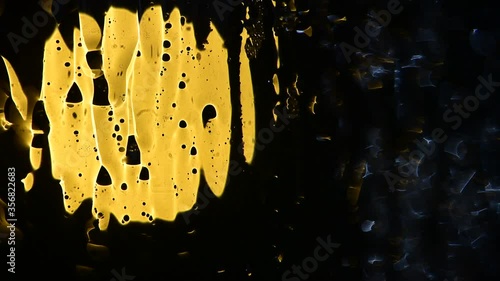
x,y
261,217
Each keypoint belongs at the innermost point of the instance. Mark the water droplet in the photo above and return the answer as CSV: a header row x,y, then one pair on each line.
x,y
367,225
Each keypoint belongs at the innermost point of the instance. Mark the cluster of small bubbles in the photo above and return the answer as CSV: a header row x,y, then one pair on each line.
x,y
144,214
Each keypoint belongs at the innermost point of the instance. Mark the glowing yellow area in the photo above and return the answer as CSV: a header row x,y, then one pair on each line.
x,y
247,103
17,93
159,84
276,84
293,87
308,31
91,32
28,182
276,41
4,124
20,100
275,116
118,47
35,157
71,126
313,104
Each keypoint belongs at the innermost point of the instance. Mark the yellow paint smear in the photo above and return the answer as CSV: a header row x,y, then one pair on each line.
x,y
159,85
91,32
247,103
20,100
17,93
28,182
35,157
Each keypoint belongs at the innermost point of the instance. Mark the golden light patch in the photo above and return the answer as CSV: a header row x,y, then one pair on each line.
x,y
136,131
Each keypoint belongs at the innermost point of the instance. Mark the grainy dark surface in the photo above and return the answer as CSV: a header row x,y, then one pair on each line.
x,y
269,218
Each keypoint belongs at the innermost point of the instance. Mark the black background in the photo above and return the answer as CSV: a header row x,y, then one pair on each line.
x,y
260,216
